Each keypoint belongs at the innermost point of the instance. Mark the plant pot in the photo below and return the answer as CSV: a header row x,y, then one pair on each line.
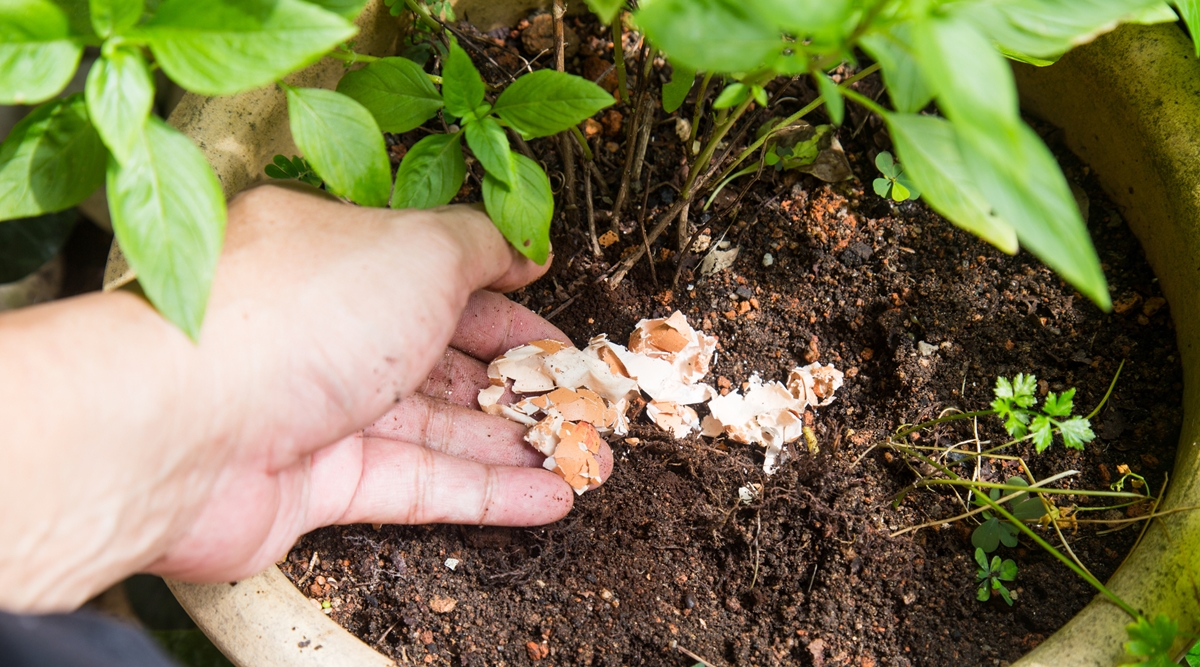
x,y
1125,102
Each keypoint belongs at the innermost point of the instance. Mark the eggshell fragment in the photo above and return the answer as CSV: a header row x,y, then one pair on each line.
x,y
678,420
574,458
767,414
673,340
814,383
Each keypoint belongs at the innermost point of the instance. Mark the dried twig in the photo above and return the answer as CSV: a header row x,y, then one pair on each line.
x,y
693,656
564,142
642,225
622,269
311,564
591,214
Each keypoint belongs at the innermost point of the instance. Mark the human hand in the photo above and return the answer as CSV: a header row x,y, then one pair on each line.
x,y
404,333
334,382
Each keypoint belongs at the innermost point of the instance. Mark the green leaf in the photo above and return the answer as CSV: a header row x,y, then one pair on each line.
x,y
1189,11
886,164
899,192
1003,591
981,558
28,243
523,211
929,149
676,90
1152,640
396,91
1059,405
38,54
733,95
52,160
343,144
1023,387
112,17
431,173
822,21
834,104
1076,431
221,47
462,87
882,187
344,8
1049,28
1008,536
737,39
986,535
120,93
1043,432
901,70
984,593
1017,481
547,102
973,82
607,10
1028,190
489,144
168,214
760,95
1008,570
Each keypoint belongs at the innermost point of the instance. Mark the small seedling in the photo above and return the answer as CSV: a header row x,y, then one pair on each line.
x,y
992,575
1151,641
993,532
296,168
894,185
1014,401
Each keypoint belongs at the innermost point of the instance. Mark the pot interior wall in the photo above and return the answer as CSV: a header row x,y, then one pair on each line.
x,y
1128,105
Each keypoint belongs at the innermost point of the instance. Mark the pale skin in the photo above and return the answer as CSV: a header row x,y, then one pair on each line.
x,y
334,382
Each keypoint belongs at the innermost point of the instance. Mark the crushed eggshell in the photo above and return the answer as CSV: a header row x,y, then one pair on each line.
x,y
678,420
574,458
815,383
575,396
772,414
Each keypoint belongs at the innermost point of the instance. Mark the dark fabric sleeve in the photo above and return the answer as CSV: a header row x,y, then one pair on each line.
x,y
82,639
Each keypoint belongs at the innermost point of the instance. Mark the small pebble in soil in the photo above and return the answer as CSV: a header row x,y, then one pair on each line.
x,y
768,259
452,563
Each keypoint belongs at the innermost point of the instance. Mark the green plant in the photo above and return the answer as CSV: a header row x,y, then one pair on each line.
x,y
296,168
1029,502
1014,400
992,532
167,208
1151,641
978,164
516,191
991,576
894,185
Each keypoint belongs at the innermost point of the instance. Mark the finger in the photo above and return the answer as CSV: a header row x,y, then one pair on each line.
x,y
465,433
404,483
456,431
492,324
457,378
487,259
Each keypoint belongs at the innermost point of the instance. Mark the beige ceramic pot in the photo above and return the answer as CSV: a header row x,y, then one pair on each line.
x,y
1129,105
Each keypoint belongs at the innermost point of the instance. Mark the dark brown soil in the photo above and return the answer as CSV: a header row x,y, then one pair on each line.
x,y
664,556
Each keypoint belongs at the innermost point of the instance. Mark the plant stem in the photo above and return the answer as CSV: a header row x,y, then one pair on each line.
x,y
351,57
1087,576
698,114
808,108
1111,385
941,420
706,154
422,13
583,144
1015,487
619,58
